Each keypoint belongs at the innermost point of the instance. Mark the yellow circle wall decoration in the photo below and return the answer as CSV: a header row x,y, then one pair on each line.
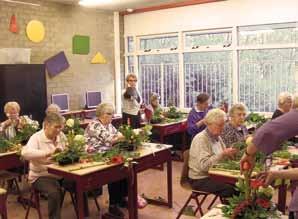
x,y
35,31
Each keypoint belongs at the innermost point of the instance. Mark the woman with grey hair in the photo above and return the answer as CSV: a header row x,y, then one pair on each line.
x,y
285,101
131,100
206,150
53,108
101,135
234,130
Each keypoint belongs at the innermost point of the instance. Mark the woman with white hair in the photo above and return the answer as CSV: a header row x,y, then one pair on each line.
x,y
234,130
285,100
206,150
101,135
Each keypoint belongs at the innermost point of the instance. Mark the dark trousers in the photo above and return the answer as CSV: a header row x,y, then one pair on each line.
x,y
50,186
211,186
293,215
135,120
117,191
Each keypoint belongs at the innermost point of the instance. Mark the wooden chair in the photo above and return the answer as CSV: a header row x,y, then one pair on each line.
x,y
195,194
33,202
3,209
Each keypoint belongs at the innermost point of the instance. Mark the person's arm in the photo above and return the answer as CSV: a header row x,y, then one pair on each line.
x,y
31,151
249,156
192,126
270,176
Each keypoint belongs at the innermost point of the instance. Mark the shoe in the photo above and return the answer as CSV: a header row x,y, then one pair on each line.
x,y
115,211
142,203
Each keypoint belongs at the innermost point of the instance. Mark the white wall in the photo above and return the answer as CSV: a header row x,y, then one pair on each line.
x,y
213,15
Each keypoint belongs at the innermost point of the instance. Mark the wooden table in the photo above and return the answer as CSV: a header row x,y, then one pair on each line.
x,y
92,177
231,177
10,160
171,128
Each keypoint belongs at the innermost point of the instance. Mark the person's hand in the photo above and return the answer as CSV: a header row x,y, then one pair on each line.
x,y
247,163
229,152
200,123
7,123
267,177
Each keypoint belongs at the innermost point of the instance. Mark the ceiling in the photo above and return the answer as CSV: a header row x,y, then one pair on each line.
x,y
122,5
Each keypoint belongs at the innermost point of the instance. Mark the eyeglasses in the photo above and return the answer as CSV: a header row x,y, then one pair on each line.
x,y
110,114
132,80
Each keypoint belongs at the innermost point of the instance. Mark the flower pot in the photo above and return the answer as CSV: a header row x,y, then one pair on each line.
x,y
67,160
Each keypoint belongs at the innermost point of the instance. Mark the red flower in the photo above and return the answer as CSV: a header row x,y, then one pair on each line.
x,y
117,159
255,183
246,166
240,208
263,203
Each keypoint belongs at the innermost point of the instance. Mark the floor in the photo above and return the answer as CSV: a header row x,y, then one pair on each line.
x,y
152,183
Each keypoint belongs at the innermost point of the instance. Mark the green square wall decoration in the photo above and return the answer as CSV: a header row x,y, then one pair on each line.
x,y
80,44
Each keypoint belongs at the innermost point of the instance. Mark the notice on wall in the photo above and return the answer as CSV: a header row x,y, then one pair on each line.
x,y
35,31
98,59
56,64
80,44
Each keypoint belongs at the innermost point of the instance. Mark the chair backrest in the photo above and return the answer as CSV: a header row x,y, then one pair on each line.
x,y
184,180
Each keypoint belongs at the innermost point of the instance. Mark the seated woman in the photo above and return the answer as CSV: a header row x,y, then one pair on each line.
x,y
195,119
101,135
38,151
14,122
53,108
285,101
206,150
234,130
153,106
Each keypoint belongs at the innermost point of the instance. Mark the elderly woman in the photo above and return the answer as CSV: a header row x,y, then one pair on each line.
x,y
285,101
10,127
206,150
195,119
131,100
53,108
39,149
101,135
153,106
234,130
268,139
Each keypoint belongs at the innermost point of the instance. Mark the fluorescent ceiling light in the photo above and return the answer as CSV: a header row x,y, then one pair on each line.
x,y
20,2
91,3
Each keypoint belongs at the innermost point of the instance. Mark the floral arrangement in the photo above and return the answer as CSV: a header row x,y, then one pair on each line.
x,y
75,149
157,116
133,137
173,113
73,126
257,119
253,201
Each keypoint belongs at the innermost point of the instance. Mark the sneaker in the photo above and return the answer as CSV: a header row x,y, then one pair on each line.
x,y
142,203
115,211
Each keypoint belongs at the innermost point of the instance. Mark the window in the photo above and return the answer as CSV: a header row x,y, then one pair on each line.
x,y
162,42
209,72
195,40
130,44
130,62
159,74
268,34
263,74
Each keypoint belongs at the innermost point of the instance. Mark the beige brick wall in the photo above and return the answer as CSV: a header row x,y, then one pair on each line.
x,y
61,23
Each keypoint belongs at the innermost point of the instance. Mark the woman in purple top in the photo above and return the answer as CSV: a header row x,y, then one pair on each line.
x,y
268,139
195,119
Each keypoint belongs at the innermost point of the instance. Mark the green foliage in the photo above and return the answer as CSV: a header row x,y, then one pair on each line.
x,y
75,149
74,126
173,113
133,137
257,119
282,154
4,145
157,116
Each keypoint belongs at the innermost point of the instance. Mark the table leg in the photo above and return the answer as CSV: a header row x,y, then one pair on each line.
x,y
132,194
80,200
169,181
282,197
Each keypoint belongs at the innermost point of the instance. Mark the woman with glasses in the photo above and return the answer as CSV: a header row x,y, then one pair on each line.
x,y
234,130
131,100
101,135
10,127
